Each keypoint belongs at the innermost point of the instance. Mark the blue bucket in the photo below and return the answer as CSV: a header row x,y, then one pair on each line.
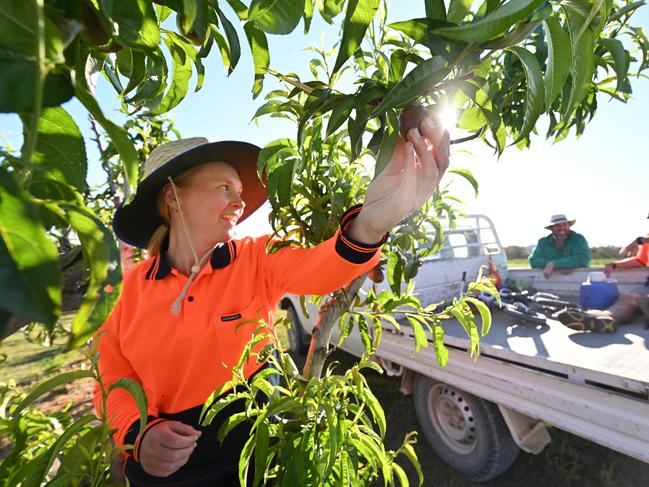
x,y
598,294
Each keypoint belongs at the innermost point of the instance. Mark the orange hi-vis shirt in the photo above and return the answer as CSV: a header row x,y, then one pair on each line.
x,y
181,359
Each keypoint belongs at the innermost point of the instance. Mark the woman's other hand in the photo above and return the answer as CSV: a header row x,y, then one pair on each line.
x,y
166,447
405,184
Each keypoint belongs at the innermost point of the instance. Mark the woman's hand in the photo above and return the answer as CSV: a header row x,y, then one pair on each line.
x,y
405,184
166,447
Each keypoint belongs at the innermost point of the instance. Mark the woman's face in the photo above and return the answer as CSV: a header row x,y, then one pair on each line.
x,y
210,201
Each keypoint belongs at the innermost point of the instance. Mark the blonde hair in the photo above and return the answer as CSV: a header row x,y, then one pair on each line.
x,y
164,211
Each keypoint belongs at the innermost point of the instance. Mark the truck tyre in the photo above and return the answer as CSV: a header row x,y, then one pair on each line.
x,y
466,432
297,337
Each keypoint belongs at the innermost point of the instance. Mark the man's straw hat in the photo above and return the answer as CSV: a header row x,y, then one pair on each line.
x,y
135,222
559,219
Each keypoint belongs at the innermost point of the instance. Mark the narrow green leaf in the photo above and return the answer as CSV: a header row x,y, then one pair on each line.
x,y
34,255
138,71
182,73
308,14
340,113
485,314
620,60
358,17
559,59
468,175
441,352
535,95
419,30
435,9
493,25
458,10
49,385
136,391
276,16
118,135
260,55
262,444
421,339
388,142
230,49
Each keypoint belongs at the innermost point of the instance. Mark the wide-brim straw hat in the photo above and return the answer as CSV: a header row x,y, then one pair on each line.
x,y
135,222
559,219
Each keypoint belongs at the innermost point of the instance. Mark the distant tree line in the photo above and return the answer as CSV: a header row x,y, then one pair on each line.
x,y
603,252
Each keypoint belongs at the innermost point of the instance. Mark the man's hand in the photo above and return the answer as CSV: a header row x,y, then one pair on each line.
x,y
547,272
405,184
166,447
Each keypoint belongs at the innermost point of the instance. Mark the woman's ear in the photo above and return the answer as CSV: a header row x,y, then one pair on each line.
x,y
170,197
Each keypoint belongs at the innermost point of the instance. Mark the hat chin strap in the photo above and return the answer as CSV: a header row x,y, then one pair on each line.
x,y
198,263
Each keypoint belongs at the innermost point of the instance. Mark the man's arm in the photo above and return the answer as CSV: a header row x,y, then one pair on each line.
x,y
538,260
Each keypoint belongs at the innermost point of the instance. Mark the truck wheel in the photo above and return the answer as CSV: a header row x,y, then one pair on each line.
x,y
466,432
297,337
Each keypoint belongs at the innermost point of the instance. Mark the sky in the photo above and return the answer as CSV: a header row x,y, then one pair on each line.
x,y
600,179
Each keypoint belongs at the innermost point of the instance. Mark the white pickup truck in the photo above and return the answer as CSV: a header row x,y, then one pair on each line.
x,y
478,414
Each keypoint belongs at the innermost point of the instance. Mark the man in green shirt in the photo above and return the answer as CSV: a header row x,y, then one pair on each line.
x,y
563,249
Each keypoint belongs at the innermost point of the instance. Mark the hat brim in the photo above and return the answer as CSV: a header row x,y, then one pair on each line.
x,y
569,222
135,222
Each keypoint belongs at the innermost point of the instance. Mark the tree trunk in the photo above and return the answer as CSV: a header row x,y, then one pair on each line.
x,y
328,315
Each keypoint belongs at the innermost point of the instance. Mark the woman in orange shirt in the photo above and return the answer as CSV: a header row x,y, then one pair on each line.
x,y
180,323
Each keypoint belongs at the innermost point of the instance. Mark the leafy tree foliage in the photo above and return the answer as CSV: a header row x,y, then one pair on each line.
x,y
500,64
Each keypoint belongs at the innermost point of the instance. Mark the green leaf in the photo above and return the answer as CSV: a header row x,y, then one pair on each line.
x,y
620,60
260,55
308,14
468,175
138,71
535,95
182,73
133,23
136,391
485,314
117,134
416,83
49,385
262,446
276,16
559,59
468,323
21,58
441,352
340,113
358,17
388,142
232,54
329,9
34,255
458,10
421,339
583,58
60,153
435,9
102,256
419,30
493,25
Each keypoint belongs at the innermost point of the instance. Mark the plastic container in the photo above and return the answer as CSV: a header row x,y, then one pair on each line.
x,y
598,294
